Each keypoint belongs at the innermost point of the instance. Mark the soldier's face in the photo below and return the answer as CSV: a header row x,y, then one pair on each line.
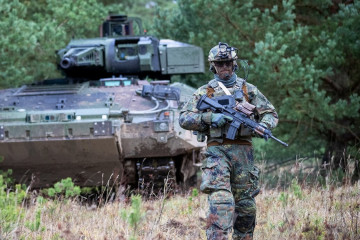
x,y
224,69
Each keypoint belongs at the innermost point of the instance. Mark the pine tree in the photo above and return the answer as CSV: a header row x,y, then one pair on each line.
x,y
33,30
303,55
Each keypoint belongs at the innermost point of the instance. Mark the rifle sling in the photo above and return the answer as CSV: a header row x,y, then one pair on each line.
x,y
226,91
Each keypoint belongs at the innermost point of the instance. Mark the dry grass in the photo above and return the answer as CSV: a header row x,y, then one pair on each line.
x,y
331,213
297,213
308,209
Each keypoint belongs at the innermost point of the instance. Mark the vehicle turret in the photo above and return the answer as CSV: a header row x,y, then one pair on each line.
x,y
121,52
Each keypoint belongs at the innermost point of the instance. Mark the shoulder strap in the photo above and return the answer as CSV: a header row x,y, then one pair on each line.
x,y
245,91
241,83
213,83
209,92
212,87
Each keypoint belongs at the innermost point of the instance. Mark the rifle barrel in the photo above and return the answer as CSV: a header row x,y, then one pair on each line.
x,y
278,140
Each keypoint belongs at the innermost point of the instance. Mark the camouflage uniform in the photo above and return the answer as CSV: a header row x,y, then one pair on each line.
x,y
229,175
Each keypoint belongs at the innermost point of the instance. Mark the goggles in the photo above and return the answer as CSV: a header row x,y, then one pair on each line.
x,y
225,63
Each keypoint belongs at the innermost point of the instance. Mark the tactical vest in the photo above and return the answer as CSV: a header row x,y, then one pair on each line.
x,y
214,90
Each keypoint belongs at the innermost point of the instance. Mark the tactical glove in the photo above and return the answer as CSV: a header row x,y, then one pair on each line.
x,y
264,125
219,119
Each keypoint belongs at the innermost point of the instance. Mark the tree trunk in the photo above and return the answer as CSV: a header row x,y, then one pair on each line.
x,y
356,175
335,156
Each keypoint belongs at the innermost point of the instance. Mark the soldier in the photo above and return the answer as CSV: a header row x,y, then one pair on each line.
x,y
229,175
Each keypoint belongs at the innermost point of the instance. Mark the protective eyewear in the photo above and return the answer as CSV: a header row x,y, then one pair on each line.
x,y
225,63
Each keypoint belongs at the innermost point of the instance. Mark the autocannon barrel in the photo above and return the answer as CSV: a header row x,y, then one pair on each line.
x,y
82,56
66,63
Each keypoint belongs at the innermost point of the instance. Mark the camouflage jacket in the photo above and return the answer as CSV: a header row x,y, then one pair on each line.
x,y
193,119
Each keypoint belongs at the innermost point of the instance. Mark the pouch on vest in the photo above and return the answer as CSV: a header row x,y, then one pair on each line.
x,y
238,95
245,131
215,132
246,108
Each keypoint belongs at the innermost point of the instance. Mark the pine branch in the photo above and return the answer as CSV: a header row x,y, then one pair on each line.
x,y
237,28
333,84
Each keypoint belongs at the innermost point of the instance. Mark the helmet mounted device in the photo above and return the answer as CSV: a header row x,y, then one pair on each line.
x,y
225,51
222,53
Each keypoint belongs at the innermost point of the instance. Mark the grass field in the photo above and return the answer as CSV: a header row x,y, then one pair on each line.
x,y
300,210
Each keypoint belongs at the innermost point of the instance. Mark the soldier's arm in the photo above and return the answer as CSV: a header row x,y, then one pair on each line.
x,y
191,118
265,110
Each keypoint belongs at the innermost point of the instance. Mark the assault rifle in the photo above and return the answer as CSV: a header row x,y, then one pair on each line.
x,y
225,105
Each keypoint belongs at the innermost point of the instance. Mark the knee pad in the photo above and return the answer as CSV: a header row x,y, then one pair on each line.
x,y
221,210
245,211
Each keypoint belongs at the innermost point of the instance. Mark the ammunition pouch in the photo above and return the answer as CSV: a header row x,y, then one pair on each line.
x,y
221,132
246,108
245,132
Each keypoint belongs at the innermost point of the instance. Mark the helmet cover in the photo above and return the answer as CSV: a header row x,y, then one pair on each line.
x,y
222,52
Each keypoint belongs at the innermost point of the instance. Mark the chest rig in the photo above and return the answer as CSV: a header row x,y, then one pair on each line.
x,y
240,93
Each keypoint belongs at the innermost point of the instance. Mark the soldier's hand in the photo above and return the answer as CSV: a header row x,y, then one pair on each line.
x,y
219,119
260,134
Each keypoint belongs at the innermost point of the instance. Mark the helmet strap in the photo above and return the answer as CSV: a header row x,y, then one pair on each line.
x,y
212,67
216,70
213,64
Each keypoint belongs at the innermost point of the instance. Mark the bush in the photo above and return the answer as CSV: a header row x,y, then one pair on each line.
x,y
64,187
134,216
10,200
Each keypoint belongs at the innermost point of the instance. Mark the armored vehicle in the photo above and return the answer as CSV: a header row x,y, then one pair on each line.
x,y
106,121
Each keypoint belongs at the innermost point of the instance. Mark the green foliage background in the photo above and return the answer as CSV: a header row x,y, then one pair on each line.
x,y
31,31
303,55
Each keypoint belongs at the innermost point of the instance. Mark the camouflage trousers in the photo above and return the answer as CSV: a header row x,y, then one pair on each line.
x,y
230,178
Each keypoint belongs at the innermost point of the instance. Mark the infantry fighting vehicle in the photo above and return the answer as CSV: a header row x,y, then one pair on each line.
x,y
105,121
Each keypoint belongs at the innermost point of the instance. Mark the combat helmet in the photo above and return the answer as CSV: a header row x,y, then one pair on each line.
x,y
220,53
